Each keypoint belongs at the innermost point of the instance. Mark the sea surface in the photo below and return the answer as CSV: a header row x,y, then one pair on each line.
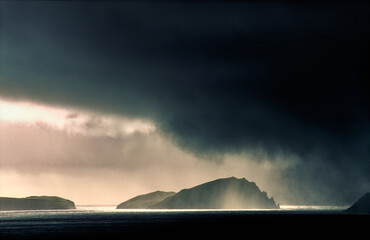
x,y
106,222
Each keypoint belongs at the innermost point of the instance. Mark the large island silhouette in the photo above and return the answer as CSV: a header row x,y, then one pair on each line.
x,y
225,193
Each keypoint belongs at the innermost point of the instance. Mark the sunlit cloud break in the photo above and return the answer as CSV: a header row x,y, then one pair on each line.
x,y
73,121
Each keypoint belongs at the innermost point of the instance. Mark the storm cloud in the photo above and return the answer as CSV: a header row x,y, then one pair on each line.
x,y
275,79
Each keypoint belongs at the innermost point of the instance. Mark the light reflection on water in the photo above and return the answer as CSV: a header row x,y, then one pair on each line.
x,y
312,207
82,210
282,207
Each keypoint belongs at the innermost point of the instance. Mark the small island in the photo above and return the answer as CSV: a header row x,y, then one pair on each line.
x,y
35,203
226,193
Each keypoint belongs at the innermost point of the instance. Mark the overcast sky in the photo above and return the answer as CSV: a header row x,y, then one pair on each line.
x,y
101,101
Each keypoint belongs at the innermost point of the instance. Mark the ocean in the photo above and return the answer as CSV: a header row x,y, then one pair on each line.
x,y
106,222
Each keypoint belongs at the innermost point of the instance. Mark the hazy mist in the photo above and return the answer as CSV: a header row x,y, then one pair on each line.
x,y
39,159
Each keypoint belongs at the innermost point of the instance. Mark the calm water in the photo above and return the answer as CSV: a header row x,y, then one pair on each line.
x,y
6,217
103,222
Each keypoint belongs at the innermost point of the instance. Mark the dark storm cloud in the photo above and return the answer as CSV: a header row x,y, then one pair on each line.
x,y
217,77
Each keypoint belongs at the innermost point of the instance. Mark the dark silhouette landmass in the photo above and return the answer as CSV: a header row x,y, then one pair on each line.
x,y
35,203
361,206
145,200
226,193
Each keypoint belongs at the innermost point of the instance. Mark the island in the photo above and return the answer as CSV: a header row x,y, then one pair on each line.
x,y
361,206
35,203
145,200
225,193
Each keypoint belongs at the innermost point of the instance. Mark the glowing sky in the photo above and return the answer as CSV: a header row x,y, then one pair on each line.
x,y
71,121
94,158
